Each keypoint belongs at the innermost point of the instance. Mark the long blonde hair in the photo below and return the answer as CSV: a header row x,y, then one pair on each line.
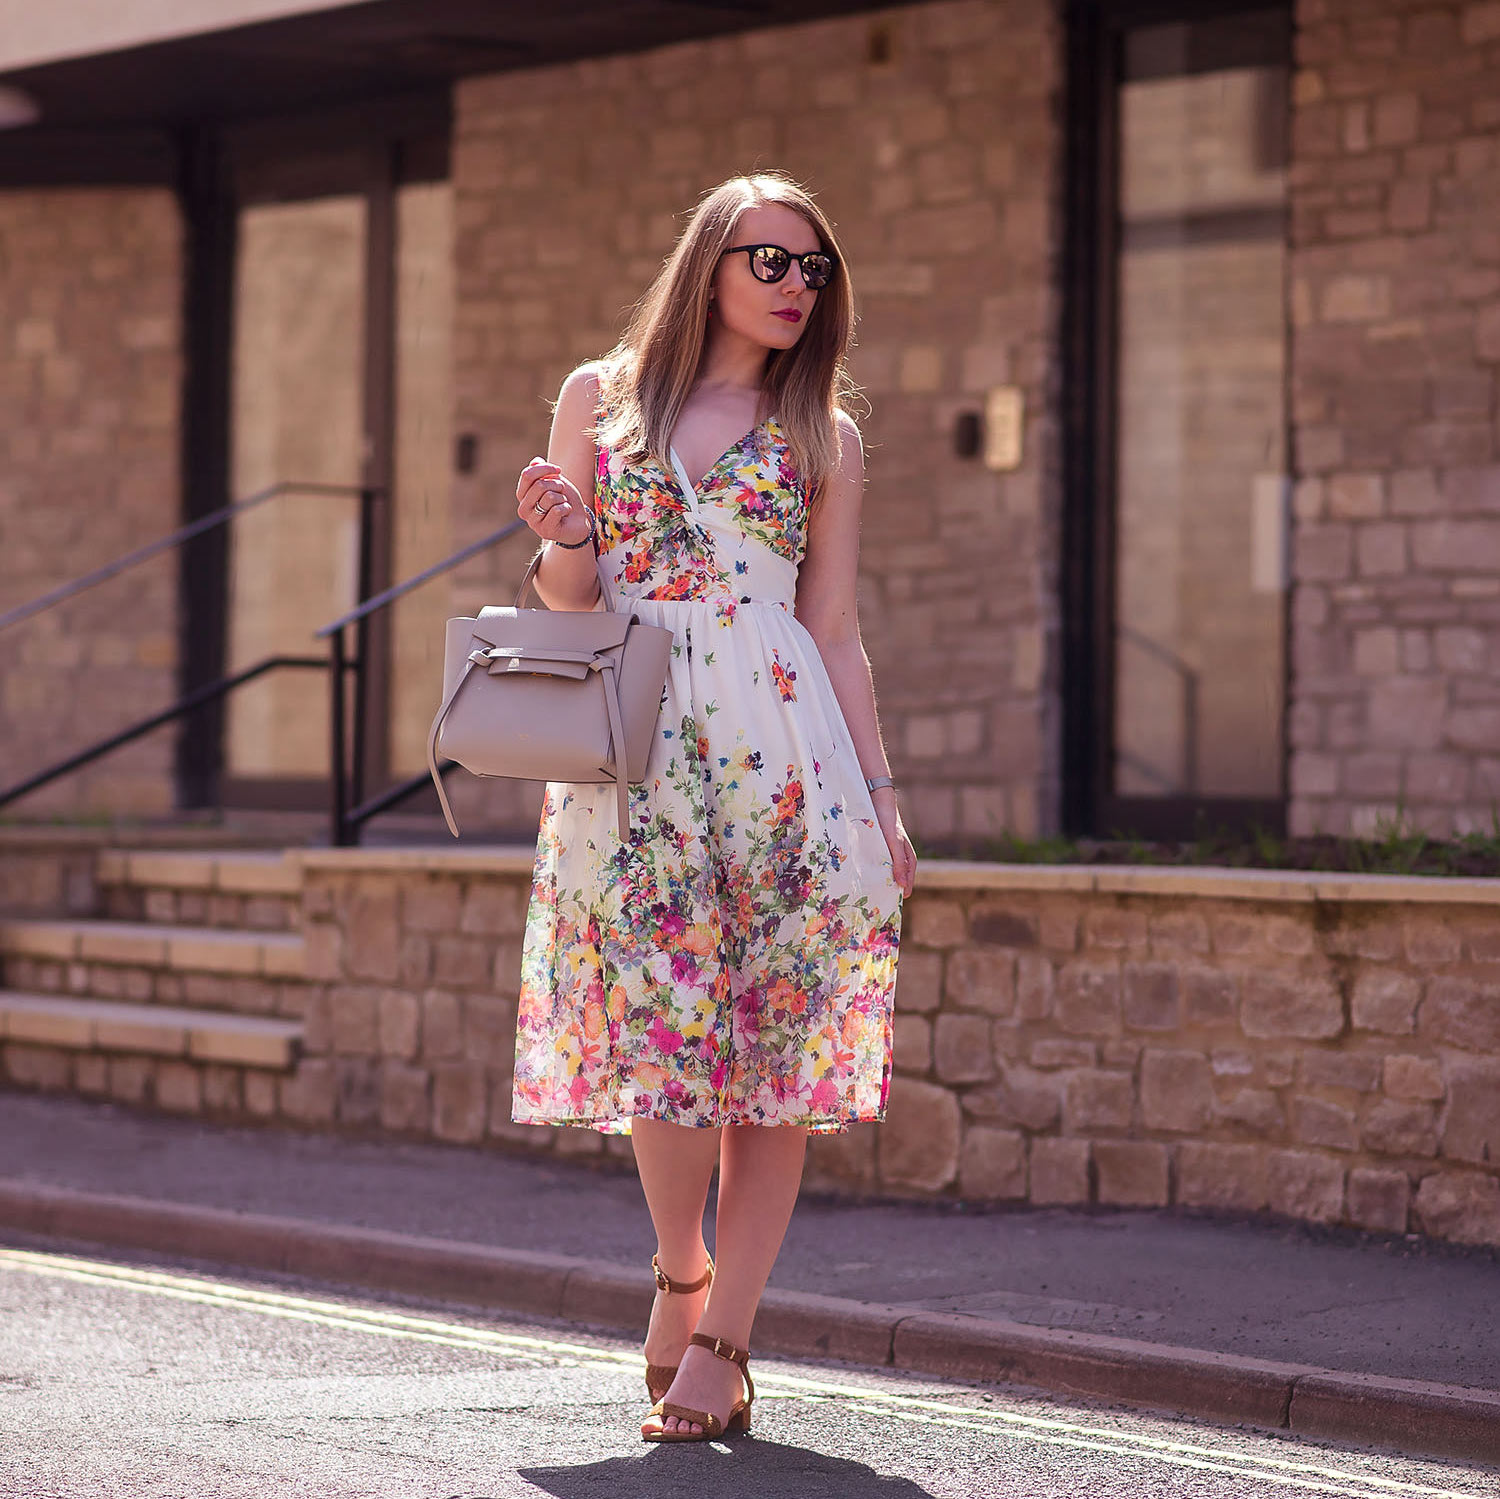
x,y
646,377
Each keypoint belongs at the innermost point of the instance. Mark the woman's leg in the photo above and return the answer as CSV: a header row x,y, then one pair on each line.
x,y
675,1163
760,1172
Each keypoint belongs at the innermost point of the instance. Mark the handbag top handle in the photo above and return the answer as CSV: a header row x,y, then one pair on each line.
x,y
606,591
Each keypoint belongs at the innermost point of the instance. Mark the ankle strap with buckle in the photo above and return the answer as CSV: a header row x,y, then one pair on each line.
x,y
723,1348
664,1283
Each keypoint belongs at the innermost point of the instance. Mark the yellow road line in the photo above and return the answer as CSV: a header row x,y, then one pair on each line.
x,y
1043,1430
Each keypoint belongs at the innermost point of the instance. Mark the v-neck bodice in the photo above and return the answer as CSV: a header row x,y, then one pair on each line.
x,y
737,536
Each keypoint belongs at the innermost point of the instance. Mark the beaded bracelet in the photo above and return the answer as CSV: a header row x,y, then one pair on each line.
x,y
593,536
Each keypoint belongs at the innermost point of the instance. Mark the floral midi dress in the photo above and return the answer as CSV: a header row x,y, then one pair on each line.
x,y
734,960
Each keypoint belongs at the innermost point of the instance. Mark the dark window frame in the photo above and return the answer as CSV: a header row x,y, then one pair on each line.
x,y
1096,60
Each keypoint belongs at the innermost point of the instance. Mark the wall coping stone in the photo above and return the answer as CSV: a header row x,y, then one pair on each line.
x,y
1289,885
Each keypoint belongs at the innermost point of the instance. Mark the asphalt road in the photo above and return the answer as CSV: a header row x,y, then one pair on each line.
x,y
138,1379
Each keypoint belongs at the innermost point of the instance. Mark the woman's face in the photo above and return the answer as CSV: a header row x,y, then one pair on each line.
x,y
770,313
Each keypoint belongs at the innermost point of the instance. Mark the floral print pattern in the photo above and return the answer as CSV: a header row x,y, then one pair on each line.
x,y
732,961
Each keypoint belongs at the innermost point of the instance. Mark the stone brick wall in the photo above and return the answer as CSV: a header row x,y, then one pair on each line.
x,y
939,167
1396,339
90,287
1321,1048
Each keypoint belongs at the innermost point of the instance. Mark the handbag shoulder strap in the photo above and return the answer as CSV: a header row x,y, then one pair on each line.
x,y
606,589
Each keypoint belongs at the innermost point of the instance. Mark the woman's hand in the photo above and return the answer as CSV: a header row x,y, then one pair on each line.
x,y
903,855
549,502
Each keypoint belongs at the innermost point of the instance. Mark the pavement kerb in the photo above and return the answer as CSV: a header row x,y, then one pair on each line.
x,y
1416,1417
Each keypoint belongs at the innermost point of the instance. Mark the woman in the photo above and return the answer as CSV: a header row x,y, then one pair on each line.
x,y
719,985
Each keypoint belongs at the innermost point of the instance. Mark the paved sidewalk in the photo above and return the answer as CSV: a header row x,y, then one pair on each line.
x,y
1400,1309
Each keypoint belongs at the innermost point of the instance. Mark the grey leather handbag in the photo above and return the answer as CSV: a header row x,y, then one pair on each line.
x,y
550,695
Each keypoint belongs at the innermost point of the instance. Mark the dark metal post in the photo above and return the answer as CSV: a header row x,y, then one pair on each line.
x,y
367,503
338,787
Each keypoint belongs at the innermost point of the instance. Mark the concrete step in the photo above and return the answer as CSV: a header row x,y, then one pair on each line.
x,y
220,888
274,955
103,1026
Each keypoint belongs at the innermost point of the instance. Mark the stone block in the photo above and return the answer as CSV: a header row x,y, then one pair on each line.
x,y
1396,1128
260,1094
992,1164
912,1043
1463,1206
1429,942
1302,1005
353,1015
1471,1123
1386,1001
1132,1173
961,1048
1057,924
309,1095
1227,1177
323,951
1306,1186
372,930
1178,932
1316,1121
1177,1090
1354,1071
1151,1001
494,909
1034,987
1209,996
1418,1078
179,1088
919,981
400,1023
982,979
223,1091
459,1101
490,1032
933,921
357,1083
1379,1199
414,961
1032,1100
1088,999
1097,1100
1461,1013
1115,927
442,1025
461,963
405,1097
1258,1110
1001,926
430,905
129,1078
1059,1171
918,1143
1050,1052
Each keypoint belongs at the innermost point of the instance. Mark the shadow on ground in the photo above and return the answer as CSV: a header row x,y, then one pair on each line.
x,y
741,1469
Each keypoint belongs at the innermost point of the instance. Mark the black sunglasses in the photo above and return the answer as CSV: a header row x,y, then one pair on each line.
x,y
771,263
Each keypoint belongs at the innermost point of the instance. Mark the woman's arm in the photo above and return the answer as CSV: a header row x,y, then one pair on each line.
x,y
826,606
566,578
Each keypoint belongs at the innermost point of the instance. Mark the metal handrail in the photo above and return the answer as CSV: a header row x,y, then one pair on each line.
x,y
155,548
194,699
349,810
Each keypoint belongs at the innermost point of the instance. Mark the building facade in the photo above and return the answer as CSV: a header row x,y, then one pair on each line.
x,y
1179,326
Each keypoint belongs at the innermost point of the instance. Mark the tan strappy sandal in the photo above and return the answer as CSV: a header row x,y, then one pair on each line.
x,y
738,1418
659,1377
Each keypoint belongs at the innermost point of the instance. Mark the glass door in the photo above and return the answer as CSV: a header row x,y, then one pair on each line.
x,y
339,335
297,415
1189,490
